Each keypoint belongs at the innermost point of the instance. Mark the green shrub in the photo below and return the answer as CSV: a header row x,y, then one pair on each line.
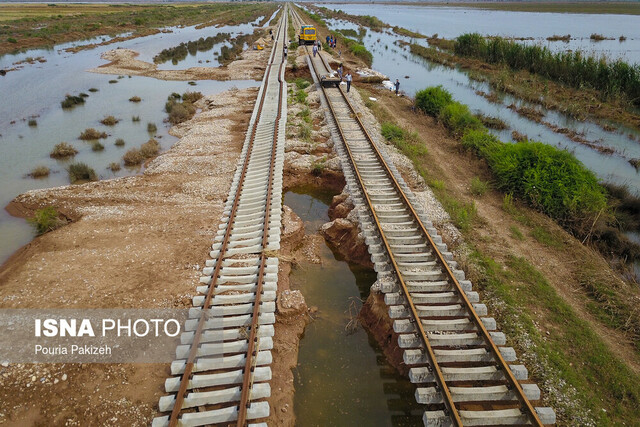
x,y
548,178
92,134
93,89
63,150
97,146
458,119
151,127
135,118
12,40
81,172
119,142
302,83
71,101
432,99
46,219
114,167
32,123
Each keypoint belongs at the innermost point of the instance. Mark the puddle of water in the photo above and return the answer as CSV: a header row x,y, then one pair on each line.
x,y
342,378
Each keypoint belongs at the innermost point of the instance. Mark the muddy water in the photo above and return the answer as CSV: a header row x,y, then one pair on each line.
x,y
342,376
35,90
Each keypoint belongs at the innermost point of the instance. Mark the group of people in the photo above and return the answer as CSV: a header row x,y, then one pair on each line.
x,y
332,42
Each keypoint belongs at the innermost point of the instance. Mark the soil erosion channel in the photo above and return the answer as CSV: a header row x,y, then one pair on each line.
x,y
342,376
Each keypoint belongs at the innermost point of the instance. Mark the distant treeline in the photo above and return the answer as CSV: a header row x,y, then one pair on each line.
x,y
616,78
178,53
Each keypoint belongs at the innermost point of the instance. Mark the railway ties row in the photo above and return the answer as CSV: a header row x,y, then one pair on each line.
x,y
463,370
221,373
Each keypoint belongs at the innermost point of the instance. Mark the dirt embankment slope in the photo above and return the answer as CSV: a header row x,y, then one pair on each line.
x,y
137,242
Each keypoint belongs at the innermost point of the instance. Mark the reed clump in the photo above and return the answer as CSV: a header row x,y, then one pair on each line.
x,y
109,121
181,108
612,79
178,53
80,172
63,150
39,172
92,134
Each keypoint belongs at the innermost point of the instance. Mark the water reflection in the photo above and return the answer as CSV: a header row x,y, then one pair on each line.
x,y
342,377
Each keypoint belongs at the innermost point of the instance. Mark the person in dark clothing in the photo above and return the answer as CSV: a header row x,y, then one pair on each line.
x,y
328,38
397,85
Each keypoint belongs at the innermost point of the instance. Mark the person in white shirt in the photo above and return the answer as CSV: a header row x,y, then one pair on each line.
x,y
348,77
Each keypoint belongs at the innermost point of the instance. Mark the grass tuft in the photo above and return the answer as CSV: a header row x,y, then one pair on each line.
x,y
39,172
63,150
478,186
80,172
119,142
135,99
45,220
92,134
109,121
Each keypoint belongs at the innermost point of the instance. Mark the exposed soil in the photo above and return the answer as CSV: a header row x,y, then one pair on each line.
x,y
123,61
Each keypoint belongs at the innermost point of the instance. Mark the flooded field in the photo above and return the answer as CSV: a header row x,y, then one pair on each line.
x,y
394,60
36,90
342,376
450,22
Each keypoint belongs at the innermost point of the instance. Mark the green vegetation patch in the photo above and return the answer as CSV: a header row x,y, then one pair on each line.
x,y
616,78
46,219
546,177
80,172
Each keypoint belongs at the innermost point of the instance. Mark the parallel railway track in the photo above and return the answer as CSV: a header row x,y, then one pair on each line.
x,y
464,373
221,373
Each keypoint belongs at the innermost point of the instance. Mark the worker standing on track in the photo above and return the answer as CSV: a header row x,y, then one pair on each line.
x,y
348,77
397,85
315,50
284,51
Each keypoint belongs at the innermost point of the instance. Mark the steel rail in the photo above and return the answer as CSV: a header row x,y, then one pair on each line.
x,y
248,368
184,382
531,413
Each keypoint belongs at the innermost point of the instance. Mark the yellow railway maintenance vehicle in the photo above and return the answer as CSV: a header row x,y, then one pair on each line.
x,y
307,35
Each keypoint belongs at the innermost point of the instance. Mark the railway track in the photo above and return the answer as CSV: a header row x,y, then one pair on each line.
x,y
221,373
464,373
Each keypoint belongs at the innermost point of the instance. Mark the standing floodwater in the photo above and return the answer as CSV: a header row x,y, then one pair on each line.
x,y
342,377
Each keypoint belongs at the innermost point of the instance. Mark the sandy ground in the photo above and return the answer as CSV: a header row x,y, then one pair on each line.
x,y
137,242
123,61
